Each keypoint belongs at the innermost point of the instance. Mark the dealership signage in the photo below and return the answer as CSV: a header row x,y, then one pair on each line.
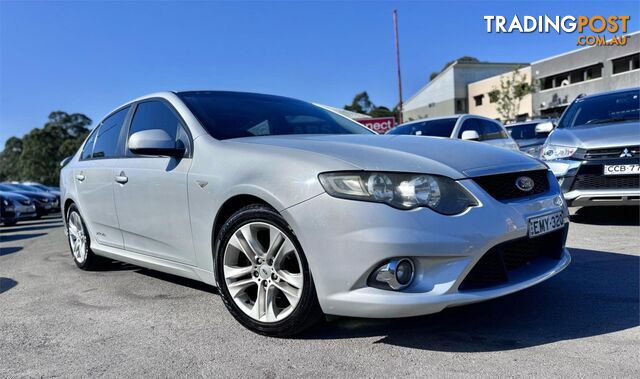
x,y
379,125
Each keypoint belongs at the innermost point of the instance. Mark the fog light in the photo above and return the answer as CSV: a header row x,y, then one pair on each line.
x,y
396,274
404,272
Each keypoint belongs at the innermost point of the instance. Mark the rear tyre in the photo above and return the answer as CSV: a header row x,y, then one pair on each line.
x,y
79,242
263,275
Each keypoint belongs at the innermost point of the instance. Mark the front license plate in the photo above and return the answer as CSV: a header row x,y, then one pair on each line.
x,y
545,224
622,169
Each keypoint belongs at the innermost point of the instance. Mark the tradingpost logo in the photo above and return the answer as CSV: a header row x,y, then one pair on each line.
x,y
591,29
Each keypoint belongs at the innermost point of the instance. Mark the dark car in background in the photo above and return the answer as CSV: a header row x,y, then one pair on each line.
x,y
37,187
530,135
16,207
7,212
45,203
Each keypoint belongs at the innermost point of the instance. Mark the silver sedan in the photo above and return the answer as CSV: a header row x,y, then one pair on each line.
x,y
295,212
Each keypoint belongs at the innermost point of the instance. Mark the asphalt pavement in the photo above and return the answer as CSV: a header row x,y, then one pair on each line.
x,y
56,320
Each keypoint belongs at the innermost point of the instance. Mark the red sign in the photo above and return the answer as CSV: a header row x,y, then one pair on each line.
x,y
379,125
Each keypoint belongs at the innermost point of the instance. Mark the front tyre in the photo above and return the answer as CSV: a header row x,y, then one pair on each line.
x,y
79,241
263,274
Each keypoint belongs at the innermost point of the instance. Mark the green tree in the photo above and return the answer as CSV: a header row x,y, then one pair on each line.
x,y
360,104
510,93
9,159
36,156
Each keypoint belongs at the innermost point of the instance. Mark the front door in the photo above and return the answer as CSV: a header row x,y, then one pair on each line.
x,y
151,192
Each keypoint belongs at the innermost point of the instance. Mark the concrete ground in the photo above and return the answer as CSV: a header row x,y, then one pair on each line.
x,y
56,320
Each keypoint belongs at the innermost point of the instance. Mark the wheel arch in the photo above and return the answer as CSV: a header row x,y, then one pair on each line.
x,y
228,208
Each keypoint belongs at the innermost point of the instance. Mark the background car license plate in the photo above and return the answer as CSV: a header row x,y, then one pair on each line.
x,y
622,169
545,224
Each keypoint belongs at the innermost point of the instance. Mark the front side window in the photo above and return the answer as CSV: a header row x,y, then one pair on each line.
x,y
108,136
603,109
491,130
487,130
433,128
158,115
235,115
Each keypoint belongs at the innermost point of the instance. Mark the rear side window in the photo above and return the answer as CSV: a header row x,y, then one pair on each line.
x,y
158,115
108,136
88,146
523,131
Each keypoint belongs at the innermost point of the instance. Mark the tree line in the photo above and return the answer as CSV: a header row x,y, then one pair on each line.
x,y
37,155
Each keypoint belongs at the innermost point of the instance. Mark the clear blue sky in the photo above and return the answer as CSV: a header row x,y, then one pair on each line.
x,y
90,57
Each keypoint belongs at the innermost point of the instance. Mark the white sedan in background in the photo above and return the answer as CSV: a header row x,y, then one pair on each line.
x,y
463,126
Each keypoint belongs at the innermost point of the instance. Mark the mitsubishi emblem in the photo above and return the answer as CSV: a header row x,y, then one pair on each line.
x,y
626,154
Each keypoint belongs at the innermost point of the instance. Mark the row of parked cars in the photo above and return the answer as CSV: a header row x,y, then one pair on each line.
x,y
23,201
593,149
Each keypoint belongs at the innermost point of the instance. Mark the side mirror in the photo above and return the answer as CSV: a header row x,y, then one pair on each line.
x,y
65,161
155,142
544,127
470,135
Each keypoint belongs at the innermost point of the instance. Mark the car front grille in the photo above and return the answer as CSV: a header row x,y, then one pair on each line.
x,y
503,186
609,153
597,182
495,265
591,177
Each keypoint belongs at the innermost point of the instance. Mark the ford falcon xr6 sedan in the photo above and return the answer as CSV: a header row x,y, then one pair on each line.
x,y
294,211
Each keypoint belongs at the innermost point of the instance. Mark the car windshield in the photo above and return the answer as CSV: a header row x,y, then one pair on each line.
x,y
434,128
523,131
603,109
234,115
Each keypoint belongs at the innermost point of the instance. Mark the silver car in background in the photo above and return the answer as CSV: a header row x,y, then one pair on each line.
x,y
294,211
595,149
462,126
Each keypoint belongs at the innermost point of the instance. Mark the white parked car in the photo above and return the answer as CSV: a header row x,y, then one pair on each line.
x,y
294,211
463,126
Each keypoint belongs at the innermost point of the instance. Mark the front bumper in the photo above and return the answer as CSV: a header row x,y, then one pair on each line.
x,y
25,211
345,240
584,184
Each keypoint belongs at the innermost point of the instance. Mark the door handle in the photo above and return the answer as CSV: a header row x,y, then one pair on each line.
x,y
79,177
122,178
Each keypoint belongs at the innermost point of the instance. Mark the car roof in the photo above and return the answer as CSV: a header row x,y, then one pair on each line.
x,y
610,92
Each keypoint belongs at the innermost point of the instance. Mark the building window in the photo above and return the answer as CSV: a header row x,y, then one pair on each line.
x,y
460,106
570,77
493,96
628,63
478,100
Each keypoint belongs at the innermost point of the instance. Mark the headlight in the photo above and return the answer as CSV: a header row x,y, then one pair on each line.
x,y
5,202
44,200
403,191
551,152
534,151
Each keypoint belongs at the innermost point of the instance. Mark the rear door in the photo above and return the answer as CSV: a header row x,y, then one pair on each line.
x,y
93,177
152,203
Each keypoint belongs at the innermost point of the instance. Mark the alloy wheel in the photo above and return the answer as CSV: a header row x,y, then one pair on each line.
x,y
77,237
263,272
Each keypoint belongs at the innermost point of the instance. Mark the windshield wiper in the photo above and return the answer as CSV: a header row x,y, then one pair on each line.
x,y
608,120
